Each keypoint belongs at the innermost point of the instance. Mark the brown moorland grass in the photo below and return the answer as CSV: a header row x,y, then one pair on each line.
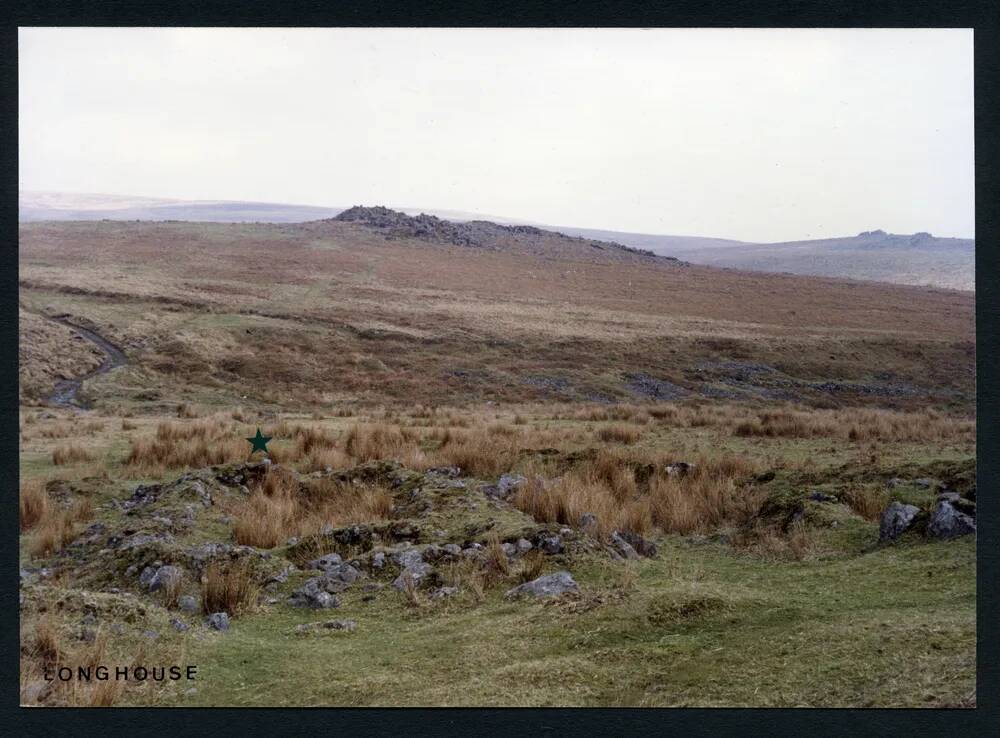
x,y
868,502
70,453
34,503
58,526
280,508
232,588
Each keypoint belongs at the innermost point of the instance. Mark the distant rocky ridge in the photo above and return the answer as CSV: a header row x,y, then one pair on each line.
x,y
473,233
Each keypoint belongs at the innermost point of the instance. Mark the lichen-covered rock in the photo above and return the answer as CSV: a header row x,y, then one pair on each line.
x,y
187,603
218,621
947,521
549,585
896,519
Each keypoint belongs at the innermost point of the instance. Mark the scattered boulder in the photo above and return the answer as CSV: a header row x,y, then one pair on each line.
x,y
947,521
523,545
549,585
166,576
896,518
416,574
441,592
179,625
623,547
218,621
587,520
551,544
329,561
643,546
508,484
187,603
313,594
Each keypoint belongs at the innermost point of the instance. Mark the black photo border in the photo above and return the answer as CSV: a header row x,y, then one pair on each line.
x,y
981,16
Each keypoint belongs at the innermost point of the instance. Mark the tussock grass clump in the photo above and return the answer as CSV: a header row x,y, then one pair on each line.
x,y
70,453
619,433
232,589
868,502
58,526
608,486
34,503
279,508
206,442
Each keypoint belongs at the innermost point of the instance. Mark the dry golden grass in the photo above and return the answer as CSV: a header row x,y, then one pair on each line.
x,y
70,453
58,526
714,492
232,589
280,508
868,502
186,445
34,503
618,433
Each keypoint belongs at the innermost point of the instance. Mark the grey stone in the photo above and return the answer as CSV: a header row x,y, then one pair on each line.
x,y
947,521
147,576
623,547
896,518
417,573
551,544
587,520
187,603
924,483
313,594
407,557
508,484
330,561
523,545
441,592
452,549
151,634
218,621
548,585
166,576
509,549
378,560
643,546
179,625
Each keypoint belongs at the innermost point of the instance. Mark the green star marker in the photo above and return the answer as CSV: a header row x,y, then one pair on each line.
x,y
259,442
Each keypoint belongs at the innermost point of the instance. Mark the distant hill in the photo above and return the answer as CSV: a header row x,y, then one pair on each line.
x,y
918,259
36,206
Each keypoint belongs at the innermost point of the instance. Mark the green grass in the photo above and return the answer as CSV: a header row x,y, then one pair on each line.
x,y
701,627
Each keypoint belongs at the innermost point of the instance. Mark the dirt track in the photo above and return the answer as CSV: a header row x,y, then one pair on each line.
x,y
65,391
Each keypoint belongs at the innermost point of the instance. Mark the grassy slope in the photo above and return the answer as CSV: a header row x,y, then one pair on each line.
x,y
700,627
281,318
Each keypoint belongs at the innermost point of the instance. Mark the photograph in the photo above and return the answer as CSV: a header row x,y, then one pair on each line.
x,y
496,367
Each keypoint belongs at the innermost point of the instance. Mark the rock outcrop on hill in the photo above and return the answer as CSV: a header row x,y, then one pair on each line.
x,y
475,233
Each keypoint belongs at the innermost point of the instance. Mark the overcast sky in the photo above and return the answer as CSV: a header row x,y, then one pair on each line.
x,y
750,134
